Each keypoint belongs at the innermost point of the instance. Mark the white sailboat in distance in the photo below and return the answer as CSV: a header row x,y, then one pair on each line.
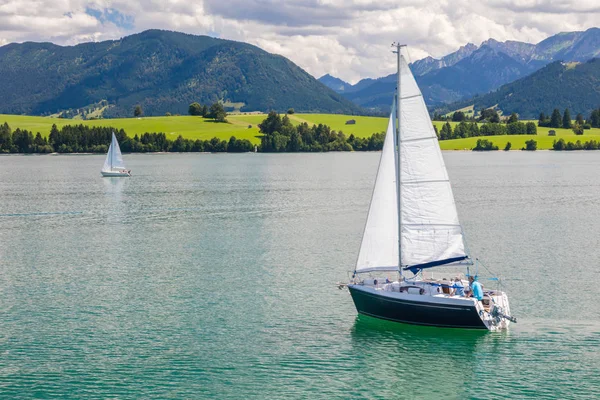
x,y
412,226
114,165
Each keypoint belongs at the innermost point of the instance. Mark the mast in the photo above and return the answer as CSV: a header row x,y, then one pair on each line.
x,y
399,165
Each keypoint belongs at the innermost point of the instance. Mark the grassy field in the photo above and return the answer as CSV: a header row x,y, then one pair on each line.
x,y
544,142
187,126
364,126
468,110
244,126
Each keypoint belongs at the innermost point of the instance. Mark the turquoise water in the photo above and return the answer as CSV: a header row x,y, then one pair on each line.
x,y
213,276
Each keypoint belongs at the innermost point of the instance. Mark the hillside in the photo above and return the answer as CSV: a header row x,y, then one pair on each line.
x,y
160,70
477,70
335,84
558,85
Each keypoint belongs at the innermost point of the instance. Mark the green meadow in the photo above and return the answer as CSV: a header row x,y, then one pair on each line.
x,y
187,126
245,126
544,141
242,126
364,126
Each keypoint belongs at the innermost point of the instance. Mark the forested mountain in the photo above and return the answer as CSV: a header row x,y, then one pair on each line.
x,y
335,84
160,70
575,86
477,70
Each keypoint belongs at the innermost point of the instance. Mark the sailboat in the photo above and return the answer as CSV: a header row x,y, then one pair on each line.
x,y
413,226
114,164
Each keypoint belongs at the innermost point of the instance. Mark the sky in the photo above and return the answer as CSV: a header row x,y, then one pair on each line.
x,y
349,39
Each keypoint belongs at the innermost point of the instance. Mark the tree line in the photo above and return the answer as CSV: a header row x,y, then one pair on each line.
x,y
554,120
488,123
93,139
280,135
473,129
487,145
491,124
558,120
561,144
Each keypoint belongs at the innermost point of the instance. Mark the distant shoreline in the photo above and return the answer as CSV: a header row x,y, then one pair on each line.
x,y
252,152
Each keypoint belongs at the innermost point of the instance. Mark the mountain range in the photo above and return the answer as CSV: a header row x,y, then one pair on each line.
x,y
165,71
575,86
475,69
162,71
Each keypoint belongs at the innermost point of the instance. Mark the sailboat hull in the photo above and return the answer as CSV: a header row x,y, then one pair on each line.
x,y
416,310
115,174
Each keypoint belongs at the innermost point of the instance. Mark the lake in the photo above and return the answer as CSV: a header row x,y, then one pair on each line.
x,y
213,276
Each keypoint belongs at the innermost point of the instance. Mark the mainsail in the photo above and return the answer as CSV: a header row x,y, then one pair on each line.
x,y
431,233
430,230
114,158
379,247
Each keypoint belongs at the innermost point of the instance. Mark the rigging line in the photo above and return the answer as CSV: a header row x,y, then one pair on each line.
x,y
411,97
454,225
490,272
417,139
427,181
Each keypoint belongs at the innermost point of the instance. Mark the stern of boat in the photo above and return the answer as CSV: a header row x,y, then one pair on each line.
x,y
495,311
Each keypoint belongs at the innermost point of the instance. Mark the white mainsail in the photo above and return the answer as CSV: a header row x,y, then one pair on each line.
x,y
430,228
379,247
114,158
431,231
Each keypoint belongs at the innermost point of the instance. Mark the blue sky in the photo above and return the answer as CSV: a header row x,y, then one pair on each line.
x,y
347,38
112,16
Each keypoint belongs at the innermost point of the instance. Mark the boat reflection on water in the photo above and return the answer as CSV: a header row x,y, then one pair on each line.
x,y
424,362
113,185
115,208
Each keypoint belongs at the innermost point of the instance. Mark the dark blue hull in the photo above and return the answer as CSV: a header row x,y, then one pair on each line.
x,y
416,312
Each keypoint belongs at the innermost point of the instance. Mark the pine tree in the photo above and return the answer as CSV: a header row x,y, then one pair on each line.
x,y
567,119
595,119
513,118
543,120
6,138
555,120
446,132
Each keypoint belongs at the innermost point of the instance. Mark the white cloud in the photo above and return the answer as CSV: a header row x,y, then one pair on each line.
x,y
348,38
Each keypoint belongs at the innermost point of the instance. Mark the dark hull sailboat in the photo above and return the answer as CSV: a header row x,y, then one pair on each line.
x,y
458,314
413,226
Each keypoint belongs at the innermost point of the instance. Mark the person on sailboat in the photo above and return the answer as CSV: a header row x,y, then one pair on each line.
x,y
476,289
459,289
